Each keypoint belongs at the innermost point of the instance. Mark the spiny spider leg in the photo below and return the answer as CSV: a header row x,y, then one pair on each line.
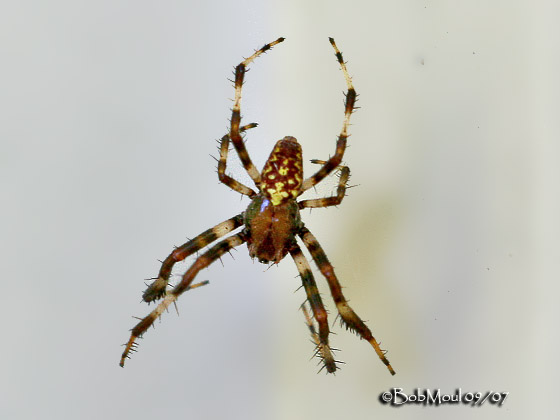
x,y
335,160
156,290
229,181
347,314
314,335
310,324
234,133
340,191
317,307
201,262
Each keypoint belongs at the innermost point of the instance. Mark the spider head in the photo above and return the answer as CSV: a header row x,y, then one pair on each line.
x,y
282,175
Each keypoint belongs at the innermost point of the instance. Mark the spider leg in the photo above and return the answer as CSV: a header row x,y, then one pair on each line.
x,y
350,101
234,133
315,336
347,314
319,312
201,262
230,182
335,200
156,290
310,325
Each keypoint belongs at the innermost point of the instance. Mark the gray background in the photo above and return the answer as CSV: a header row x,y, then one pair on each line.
x,y
448,246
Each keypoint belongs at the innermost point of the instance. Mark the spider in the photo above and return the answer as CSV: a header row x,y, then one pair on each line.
x,y
271,224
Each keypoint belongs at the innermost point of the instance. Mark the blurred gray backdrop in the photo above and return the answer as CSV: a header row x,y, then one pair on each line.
x,y
447,246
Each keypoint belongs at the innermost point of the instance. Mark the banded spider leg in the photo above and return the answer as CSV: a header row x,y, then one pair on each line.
x,y
319,311
203,261
350,319
234,133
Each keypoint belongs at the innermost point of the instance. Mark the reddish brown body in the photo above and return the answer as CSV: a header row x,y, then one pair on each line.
x,y
272,219
271,228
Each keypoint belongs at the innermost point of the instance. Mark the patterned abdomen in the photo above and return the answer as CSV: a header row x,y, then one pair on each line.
x,y
282,174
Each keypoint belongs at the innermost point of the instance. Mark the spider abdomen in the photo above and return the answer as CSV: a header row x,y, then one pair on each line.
x,y
271,228
282,175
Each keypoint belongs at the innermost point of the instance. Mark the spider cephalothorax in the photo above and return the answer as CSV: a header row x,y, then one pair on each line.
x,y
272,224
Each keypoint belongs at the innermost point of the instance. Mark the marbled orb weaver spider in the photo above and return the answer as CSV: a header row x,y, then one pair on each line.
x,y
271,223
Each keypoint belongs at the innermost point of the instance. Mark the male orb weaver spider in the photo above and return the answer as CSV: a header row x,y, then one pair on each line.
x,y
271,223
